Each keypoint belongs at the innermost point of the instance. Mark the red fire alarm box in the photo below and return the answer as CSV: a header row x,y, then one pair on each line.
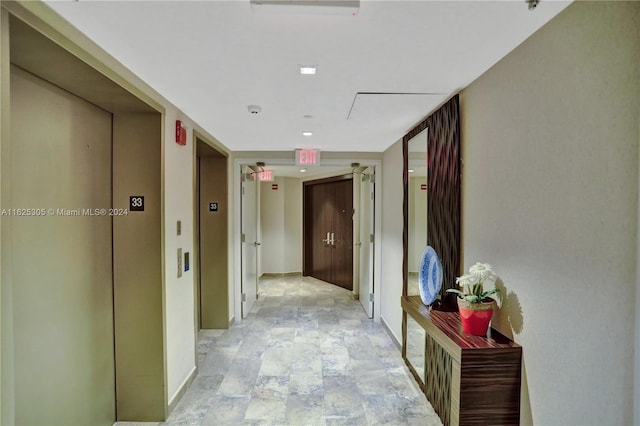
x,y
181,133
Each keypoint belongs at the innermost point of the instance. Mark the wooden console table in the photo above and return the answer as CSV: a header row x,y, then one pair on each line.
x,y
468,379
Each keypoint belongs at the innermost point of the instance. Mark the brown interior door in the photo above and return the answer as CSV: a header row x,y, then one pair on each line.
x,y
328,226
342,234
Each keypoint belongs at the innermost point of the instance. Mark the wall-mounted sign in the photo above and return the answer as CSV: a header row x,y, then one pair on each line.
x,y
274,186
136,203
423,186
265,176
307,157
213,207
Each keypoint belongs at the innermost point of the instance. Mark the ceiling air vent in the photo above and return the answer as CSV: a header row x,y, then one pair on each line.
x,y
307,7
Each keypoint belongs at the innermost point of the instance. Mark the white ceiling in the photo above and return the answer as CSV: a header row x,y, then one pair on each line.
x,y
379,71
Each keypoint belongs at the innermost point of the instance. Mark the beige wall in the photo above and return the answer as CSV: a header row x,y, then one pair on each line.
x,y
417,221
292,225
550,199
213,244
272,226
391,240
137,266
178,205
281,226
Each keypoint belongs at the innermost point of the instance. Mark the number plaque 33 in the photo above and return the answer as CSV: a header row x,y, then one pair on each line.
x,y
136,203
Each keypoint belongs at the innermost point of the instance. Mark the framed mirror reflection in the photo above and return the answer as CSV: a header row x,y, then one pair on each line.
x,y
432,183
417,207
432,192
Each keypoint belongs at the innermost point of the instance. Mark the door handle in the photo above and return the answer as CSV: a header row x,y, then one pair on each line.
x,y
331,239
328,239
256,244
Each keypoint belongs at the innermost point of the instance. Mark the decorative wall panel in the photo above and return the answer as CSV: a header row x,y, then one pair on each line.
x,y
437,385
443,212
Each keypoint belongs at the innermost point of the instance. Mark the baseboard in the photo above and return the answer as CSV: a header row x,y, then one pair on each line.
x,y
355,296
390,333
180,393
232,321
280,274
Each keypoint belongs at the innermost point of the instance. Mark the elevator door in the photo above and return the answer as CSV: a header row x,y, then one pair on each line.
x,y
61,256
328,230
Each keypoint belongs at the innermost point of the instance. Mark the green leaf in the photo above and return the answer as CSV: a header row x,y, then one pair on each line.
x,y
456,291
477,289
489,292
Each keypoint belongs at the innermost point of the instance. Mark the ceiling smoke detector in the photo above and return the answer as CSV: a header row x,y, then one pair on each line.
x,y
532,4
254,109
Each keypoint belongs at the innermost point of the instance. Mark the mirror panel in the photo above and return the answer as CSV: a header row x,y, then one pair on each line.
x,y
435,142
416,347
432,197
417,207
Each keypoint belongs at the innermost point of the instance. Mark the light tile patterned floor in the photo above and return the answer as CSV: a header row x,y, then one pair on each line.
x,y
306,355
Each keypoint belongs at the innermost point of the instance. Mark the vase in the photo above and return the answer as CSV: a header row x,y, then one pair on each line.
x,y
429,276
475,317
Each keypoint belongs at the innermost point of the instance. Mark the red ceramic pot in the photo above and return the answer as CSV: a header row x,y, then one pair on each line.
x,y
475,317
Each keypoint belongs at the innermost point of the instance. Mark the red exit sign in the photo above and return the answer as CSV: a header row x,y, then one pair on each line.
x,y
307,157
265,176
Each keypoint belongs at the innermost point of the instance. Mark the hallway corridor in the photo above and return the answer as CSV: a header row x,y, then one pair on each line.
x,y
306,355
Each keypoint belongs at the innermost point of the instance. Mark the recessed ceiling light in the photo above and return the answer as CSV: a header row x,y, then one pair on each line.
x,y
410,170
308,69
303,170
307,133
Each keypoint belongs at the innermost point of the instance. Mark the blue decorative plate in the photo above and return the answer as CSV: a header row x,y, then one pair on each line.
x,y
430,276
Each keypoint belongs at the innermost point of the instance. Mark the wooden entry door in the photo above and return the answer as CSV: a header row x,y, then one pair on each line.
x,y
328,230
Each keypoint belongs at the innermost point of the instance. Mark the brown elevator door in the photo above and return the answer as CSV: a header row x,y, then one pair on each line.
x,y
328,228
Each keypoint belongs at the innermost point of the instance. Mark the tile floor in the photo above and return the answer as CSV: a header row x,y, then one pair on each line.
x,y
306,355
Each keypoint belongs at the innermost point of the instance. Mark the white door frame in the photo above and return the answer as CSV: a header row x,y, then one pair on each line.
x,y
252,238
337,162
367,304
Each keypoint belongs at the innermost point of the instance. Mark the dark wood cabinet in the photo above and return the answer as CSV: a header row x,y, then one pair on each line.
x,y
468,379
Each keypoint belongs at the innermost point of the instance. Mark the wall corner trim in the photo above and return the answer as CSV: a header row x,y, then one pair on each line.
x,y
181,391
393,337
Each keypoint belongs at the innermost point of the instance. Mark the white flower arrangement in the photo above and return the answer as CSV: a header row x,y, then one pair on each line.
x,y
473,283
